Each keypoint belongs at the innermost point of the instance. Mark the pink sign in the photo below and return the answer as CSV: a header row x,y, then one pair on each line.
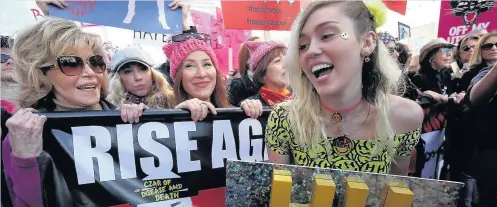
x,y
457,18
222,39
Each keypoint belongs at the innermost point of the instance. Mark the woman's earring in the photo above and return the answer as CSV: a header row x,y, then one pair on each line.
x,y
367,59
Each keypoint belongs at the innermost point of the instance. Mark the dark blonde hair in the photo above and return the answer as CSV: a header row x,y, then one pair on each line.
x,y
219,97
161,96
476,59
261,67
244,56
41,44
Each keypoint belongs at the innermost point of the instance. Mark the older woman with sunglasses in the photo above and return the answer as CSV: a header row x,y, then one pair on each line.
x,y
60,68
195,72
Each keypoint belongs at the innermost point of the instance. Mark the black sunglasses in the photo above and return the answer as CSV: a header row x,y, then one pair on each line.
x,y
72,65
488,46
466,48
5,57
186,36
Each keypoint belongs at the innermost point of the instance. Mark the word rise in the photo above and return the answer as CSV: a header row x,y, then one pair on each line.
x,y
222,135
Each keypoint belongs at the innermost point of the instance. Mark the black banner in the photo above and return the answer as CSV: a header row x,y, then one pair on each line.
x,y
166,156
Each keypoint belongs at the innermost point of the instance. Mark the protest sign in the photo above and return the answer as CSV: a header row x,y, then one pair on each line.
x,y
222,40
399,6
163,160
457,18
145,16
260,15
148,38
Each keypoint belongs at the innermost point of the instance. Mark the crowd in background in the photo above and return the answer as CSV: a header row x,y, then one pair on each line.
x,y
55,66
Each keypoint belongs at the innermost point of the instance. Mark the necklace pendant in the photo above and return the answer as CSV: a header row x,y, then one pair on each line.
x,y
342,145
336,118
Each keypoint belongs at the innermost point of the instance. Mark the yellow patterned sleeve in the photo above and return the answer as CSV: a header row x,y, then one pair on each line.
x,y
277,136
407,142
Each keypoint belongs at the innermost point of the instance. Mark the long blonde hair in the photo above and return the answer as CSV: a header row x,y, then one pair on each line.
x,y
380,78
476,58
161,96
41,44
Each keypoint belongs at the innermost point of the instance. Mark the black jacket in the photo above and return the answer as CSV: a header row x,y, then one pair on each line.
x,y
436,81
241,89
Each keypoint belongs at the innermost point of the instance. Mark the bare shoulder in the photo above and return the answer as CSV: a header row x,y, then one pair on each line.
x,y
405,115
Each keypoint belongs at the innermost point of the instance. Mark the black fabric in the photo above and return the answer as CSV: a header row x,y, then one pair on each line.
x,y
467,77
258,97
165,69
55,189
433,80
241,89
6,200
193,29
411,91
482,131
483,118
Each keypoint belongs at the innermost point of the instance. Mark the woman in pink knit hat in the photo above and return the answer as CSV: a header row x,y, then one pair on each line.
x,y
266,62
196,76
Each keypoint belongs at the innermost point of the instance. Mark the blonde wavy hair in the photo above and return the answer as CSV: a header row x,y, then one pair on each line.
x,y
161,96
41,44
476,58
380,77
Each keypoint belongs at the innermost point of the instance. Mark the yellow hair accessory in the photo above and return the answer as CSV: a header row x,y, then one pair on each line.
x,y
379,11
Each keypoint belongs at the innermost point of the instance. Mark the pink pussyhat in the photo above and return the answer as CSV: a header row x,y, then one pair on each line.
x,y
258,49
176,52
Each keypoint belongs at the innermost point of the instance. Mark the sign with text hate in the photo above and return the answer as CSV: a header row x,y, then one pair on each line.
x,y
458,18
260,15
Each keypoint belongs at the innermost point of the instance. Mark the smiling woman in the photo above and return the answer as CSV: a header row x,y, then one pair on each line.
x,y
197,77
59,68
342,114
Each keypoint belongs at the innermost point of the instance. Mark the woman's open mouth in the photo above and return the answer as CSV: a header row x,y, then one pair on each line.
x,y
322,70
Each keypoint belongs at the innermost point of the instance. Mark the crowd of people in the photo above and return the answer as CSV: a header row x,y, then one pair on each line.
x,y
341,96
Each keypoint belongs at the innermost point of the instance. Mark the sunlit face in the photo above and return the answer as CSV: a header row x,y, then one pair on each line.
x,y
136,79
490,55
331,63
275,74
7,65
198,75
443,58
466,50
80,90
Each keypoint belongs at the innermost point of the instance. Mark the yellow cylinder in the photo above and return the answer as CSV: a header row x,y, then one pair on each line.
x,y
398,195
281,188
323,192
356,192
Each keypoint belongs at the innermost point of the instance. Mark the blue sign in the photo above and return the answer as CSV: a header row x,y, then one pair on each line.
x,y
145,16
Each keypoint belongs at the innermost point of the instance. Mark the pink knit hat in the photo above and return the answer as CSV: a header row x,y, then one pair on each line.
x,y
176,52
258,49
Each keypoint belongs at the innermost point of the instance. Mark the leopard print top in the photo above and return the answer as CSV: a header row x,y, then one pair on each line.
x,y
352,155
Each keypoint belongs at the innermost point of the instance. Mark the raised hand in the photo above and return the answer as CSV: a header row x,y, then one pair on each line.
x,y
26,133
